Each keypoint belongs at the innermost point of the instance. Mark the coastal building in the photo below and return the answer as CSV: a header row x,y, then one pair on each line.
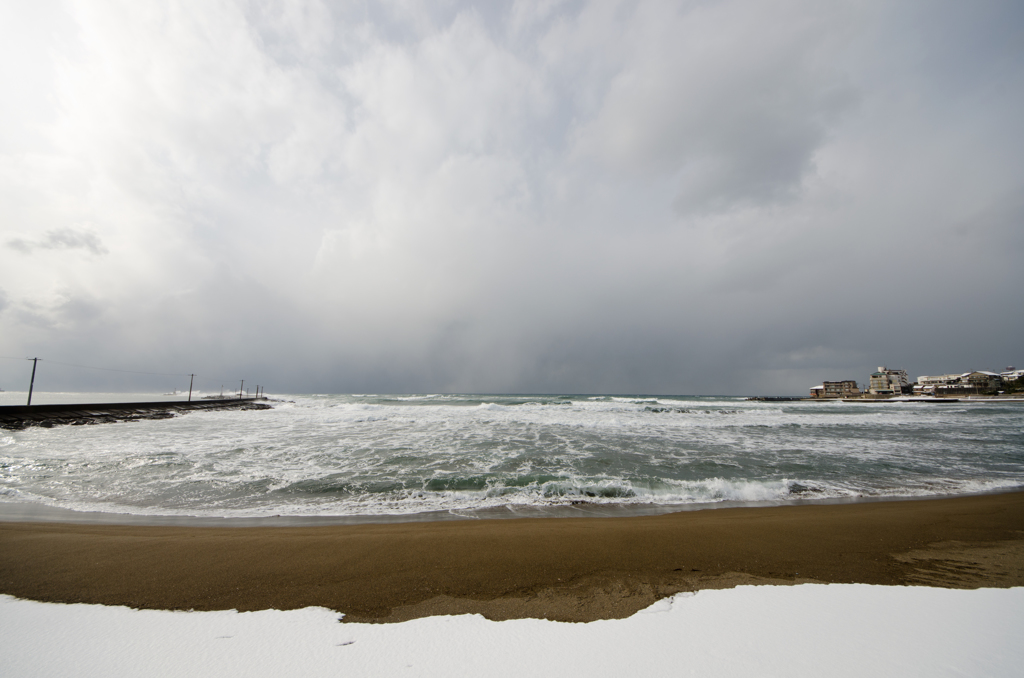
x,y
889,382
967,383
982,380
1011,374
938,380
928,384
836,389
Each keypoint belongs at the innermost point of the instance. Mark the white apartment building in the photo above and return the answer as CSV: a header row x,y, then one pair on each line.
x,y
929,384
888,382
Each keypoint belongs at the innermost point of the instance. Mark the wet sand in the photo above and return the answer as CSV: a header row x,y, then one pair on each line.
x,y
569,569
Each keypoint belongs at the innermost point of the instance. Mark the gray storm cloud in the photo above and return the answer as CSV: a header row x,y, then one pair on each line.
x,y
706,197
60,239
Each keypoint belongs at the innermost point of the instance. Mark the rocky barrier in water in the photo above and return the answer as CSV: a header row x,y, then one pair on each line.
x,y
18,417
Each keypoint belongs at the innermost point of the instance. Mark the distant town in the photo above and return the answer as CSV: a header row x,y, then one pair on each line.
x,y
887,383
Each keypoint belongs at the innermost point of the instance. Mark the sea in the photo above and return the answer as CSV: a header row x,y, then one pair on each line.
x,y
360,458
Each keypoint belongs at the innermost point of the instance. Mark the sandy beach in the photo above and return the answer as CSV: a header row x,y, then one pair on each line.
x,y
577,569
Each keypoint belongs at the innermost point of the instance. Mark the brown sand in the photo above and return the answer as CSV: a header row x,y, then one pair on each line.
x,y
574,569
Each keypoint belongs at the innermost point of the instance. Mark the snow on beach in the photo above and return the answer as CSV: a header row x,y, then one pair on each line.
x,y
808,630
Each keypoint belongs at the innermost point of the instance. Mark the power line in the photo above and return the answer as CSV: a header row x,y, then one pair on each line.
x,y
112,369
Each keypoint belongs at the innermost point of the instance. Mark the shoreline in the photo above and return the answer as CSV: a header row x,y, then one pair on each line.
x,y
569,569
33,512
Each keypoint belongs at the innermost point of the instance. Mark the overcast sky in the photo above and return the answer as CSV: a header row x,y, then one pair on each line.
x,y
738,197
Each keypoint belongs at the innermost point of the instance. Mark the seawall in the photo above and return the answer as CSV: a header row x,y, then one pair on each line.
x,y
20,416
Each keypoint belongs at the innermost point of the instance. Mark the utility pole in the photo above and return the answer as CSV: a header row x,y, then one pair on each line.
x,y
240,389
192,378
32,383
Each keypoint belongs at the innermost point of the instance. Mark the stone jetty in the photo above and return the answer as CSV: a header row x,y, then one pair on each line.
x,y
16,417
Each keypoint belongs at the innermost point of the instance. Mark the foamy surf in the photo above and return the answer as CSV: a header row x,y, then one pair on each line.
x,y
380,455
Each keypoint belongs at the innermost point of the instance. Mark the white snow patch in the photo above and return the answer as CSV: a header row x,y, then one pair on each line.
x,y
809,630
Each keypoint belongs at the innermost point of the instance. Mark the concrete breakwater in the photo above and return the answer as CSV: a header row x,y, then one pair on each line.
x,y
15,417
